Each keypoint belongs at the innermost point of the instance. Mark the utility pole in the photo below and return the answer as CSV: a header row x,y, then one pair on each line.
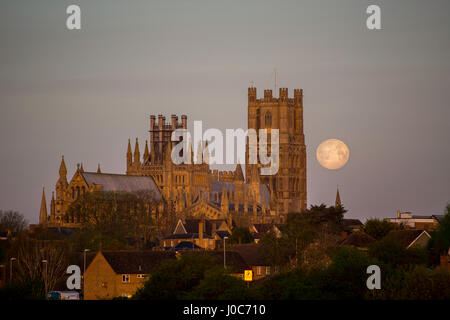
x,y
10,269
224,253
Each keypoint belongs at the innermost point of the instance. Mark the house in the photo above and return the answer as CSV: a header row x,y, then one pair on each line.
x,y
352,225
206,234
253,256
411,238
359,240
258,230
422,222
120,273
234,262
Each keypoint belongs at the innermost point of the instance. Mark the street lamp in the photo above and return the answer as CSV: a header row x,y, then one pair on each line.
x,y
45,279
84,270
224,257
10,268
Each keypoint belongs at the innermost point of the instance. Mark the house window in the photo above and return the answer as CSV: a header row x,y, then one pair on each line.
x,y
125,278
259,270
268,270
141,276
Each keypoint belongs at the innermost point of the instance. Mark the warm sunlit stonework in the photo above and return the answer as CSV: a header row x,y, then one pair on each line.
x,y
193,190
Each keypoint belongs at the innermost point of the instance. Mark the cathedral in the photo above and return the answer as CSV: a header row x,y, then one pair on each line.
x,y
193,190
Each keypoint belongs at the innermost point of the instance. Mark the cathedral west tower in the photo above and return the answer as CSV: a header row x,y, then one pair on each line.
x,y
288,185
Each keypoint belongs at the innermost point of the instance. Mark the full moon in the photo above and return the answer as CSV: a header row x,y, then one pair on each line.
x,y
332,154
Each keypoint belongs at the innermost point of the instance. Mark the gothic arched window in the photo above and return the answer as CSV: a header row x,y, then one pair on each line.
x,y
268,119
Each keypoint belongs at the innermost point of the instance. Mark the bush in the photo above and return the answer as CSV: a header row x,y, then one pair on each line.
x,y
344,278
390,252
379,228
174,279
219,286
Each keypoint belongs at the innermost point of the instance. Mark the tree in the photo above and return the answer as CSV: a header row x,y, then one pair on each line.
x,y
175,279
389,251
117,218
217,285
344,278
31,268
241,235
273,250
13,221
414,283
379,228
315,225
440,239
421,283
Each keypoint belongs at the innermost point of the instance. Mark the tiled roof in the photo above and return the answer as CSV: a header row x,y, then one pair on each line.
x,y
358,239
439,218
121,182
191,225
252,253
186,245
78,259
222,234
263,227
233,259
351,222
186,236
405,237
136,262
63,230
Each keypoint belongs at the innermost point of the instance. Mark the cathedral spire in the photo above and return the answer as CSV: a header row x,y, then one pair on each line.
x,y
224,201
129,154
146,153
62,169
98,169
53,208
338,199
238,174
43,212
137,154
81,168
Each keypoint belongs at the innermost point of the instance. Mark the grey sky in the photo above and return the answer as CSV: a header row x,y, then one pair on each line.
x,y
84,93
